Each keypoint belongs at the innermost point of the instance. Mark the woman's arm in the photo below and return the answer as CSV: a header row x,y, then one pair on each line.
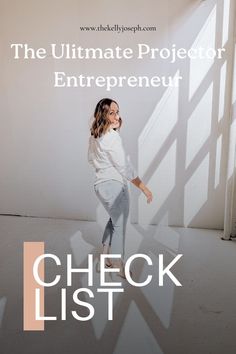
x,y
139,184
118,159
125,168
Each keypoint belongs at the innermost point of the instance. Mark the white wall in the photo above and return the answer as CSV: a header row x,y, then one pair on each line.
x,y
176,138
230,194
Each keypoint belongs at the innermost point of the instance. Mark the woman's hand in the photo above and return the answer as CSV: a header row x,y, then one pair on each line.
x,y
139,184
148,194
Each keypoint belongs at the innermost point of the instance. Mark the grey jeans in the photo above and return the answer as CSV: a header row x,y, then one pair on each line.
x,y
114,196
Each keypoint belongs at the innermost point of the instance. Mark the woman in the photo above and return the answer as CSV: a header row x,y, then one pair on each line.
x,y
112,170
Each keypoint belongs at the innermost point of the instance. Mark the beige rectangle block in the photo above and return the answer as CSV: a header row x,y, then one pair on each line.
x,y
31,251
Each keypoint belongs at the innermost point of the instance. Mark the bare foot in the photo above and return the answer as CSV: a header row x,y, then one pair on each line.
x,y
120,265
106,250
122,275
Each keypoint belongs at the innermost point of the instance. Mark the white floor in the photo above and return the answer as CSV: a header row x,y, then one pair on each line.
x,y
199,317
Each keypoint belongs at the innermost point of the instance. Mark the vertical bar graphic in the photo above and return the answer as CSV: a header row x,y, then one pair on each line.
x,y
31,251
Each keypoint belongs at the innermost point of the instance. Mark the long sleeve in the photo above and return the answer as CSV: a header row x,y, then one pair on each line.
x,y
90,155
116,155
107,156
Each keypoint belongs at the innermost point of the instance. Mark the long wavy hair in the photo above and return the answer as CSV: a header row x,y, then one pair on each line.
x,y
101,122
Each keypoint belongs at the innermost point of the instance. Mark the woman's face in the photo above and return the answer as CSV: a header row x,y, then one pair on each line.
x,y
113,115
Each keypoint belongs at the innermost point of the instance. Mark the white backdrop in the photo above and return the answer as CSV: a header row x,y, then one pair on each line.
x,y
176,138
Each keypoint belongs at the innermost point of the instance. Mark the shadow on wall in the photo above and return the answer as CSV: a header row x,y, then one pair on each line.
x,y
183,156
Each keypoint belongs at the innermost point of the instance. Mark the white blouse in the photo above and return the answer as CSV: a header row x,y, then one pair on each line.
x,y
106,154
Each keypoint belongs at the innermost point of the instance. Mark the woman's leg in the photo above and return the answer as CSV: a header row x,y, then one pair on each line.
x,y
106,241
115,198
107,235
119,215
